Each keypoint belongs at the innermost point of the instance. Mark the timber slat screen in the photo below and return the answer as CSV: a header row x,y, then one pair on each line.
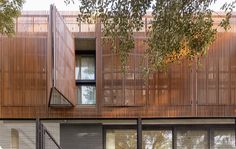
x,y
63,60
123,89
184,90
216,78
23,75
26,66
24,71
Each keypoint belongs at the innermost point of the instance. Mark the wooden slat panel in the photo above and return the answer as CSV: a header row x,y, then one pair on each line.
x,y
24,75
64,58
167,94
171,87
1,74
8,74
215,75
123,89
233,69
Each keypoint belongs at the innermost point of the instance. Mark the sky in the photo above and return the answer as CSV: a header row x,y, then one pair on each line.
x,y
45,5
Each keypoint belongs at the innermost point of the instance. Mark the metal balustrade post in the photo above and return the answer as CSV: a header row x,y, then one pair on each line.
x,y
38,134
139,133
235,131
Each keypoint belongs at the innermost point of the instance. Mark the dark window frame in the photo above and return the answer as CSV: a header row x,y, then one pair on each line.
x,y
209,128
83,82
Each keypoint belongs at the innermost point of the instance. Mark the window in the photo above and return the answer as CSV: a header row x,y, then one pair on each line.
x,y
223,139
121,139
169,137
87,94
85,68
85,71
194,139
85,79
158,139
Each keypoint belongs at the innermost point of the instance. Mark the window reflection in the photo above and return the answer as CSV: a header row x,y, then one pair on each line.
x,y
224,139
192,139
85,68
185,138
157,139
87,94
121,139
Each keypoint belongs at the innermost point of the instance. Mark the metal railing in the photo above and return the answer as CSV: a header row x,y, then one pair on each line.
x,y
44,140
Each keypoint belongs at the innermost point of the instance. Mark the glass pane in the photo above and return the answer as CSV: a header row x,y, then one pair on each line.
x,y
57,99
85,69
224,139
77,68
154,139
87,95
121,139
192,139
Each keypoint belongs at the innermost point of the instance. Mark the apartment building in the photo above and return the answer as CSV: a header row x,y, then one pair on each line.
x,y
62,87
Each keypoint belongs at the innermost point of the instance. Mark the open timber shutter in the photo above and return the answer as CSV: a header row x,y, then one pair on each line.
x,y
61,62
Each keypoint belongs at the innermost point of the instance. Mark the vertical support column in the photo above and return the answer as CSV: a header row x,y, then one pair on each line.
x,y
139,133
38,134
235,131
210,139
173,138
99,90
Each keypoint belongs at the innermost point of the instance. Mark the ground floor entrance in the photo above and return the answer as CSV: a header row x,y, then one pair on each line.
x,y
187,133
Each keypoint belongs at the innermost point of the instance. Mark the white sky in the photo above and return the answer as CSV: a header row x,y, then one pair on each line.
x,y
45,4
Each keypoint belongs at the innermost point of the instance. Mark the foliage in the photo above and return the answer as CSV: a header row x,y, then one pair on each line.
x,y
9,9
180,29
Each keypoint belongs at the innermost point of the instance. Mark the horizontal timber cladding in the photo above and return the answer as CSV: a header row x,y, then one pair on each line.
x,y
23,70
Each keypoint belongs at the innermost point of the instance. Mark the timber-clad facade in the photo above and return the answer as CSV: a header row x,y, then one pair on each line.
x,y
61,73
